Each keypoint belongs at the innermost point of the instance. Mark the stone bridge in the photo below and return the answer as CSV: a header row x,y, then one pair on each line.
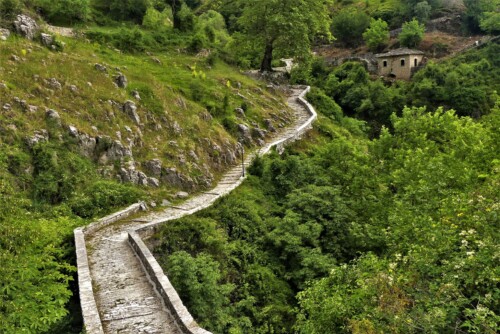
x,y
122,287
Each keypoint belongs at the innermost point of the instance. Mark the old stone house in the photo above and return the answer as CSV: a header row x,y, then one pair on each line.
x,y
399,63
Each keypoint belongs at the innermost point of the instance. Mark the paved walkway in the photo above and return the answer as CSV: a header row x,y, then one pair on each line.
x,y
127,301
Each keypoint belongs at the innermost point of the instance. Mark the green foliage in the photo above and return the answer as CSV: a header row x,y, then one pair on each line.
x,y
64,12
481,12
154,19
377,35
287,27
491,22
422,11
412,34
348,26
185,19
9,9
101,197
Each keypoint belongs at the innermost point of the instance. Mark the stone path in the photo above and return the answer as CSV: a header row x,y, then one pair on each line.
x,y
126,300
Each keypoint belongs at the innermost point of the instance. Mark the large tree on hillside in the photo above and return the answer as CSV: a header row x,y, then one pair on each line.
x,y
285,25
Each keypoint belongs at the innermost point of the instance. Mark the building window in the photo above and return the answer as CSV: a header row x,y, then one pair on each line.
x,y
402,62
415,62
385,63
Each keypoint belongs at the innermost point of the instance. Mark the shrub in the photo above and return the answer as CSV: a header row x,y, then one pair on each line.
x,y
348,26
9,9
377,35
102,196
412,33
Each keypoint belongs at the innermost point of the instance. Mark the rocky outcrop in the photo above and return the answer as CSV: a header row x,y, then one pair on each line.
x,y
131,110
100,67
174,178
244,134
115,151
4,34
26,26
153,167
121,81
53,117
38,137
47,40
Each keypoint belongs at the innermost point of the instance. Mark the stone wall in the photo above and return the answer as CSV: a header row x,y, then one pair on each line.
x,y
90,314
155,272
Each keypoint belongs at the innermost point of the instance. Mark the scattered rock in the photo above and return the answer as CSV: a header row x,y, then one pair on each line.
x,y
47,39
165,202
121,80
269,125
26,26
39,137
15,58
244,133
193,155
100,67
174,178
87,145
176,128
135,95
73,88
258,133
53,83
73,131
3,86
240,112
7,107
182,195
53,115
153,182
4,33
152,204
153,167
156,60
131,110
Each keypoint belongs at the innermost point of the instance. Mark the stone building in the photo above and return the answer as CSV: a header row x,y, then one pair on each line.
x,y
399,63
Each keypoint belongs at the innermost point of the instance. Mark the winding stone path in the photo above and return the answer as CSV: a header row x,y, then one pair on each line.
x,y
126,299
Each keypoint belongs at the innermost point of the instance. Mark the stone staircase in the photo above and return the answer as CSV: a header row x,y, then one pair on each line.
x,y
125,298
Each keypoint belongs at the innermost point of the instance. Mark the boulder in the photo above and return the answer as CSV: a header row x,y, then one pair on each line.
x,y
7,107
182,195
136,95
131,110
73,131
258,133
87,145
244,133
240,112
38,137
54,84
269,125
174,178
121,80
153,167
53,116
47,39
153,182
26,26
5,33
100,67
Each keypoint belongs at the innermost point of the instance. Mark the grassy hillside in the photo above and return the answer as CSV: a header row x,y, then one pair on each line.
x,y
52,182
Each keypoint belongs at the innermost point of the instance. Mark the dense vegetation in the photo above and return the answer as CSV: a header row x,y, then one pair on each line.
x,y
383,222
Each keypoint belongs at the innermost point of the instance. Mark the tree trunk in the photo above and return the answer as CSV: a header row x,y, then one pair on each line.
x,y
268,58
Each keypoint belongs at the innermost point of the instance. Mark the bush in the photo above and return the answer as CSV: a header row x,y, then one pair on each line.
x,y
412,34
9,9
64,12
348,26
103,196
377,35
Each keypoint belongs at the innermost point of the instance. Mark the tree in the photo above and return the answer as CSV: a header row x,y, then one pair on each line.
x,y
284,26
422,11
348,26
412,33
377,35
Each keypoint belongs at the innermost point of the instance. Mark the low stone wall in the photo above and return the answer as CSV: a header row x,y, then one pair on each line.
x,y
170,297
90,314
163,286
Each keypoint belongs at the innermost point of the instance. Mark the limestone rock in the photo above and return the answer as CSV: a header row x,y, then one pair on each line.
x,y
7,107
165,202
26,26
258,133
73,131
153,167
136,95
4,33
240,112
131,110
15,58
244,133
100,67
121,81
174,178
182,195
153,182
38,137
53,116
269,125
54,84
87,145
47,39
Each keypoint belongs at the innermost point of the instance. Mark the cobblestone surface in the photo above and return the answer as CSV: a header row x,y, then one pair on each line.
x,y
126,299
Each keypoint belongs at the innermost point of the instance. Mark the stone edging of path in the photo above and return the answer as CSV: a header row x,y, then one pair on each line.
x,y
90,314
161,282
